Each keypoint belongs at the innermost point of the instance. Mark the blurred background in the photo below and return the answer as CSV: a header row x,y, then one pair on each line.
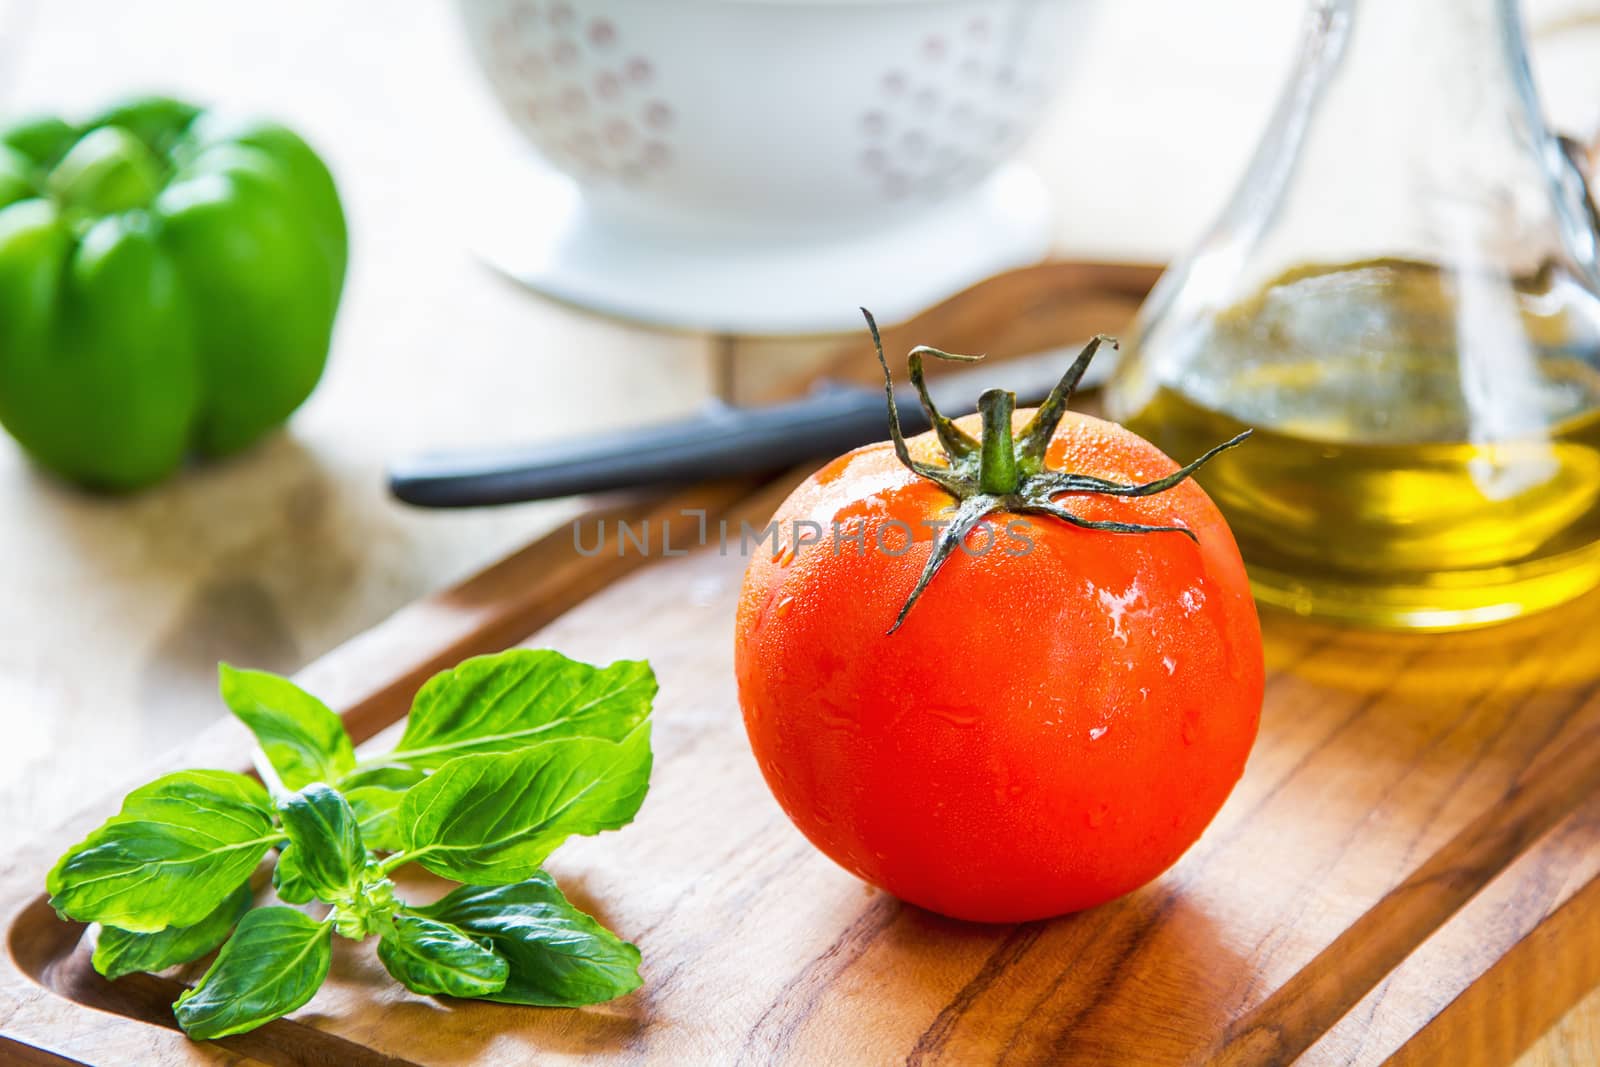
x,y
114,611
274,557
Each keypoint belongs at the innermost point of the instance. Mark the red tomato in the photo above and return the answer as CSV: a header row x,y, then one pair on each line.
x,y
1052,726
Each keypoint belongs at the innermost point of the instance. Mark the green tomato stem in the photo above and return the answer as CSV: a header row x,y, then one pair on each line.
x,y
1008,475
997,457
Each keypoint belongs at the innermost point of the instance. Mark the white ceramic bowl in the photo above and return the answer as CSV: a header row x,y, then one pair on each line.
x,y
710,125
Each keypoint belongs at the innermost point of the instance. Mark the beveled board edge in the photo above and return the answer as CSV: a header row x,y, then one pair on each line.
x,y
371,680
373,676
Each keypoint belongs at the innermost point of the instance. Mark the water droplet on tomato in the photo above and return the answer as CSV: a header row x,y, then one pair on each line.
x,y
783,606
955,716
1169,663
1097,732
1119,607
1096,816
837,467
835,717
856,511
1191,726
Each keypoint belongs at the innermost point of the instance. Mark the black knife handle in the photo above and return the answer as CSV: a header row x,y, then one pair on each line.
x,y
721,442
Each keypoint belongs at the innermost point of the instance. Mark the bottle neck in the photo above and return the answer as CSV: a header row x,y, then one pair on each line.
x,y
1453,61
1403,118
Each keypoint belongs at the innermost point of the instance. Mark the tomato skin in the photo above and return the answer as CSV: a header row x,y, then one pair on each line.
x,y
1048,730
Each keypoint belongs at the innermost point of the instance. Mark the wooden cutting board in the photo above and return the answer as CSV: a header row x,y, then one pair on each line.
x,y
1409,870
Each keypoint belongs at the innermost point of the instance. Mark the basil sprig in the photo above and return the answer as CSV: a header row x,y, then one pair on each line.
x,y
494,819
558,955
433,957
273,963
118,952
503,758
203,831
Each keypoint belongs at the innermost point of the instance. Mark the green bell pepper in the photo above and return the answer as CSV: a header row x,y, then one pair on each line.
x,y
168,283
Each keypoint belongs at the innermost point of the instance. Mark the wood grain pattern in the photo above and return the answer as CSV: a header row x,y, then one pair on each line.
x,y
1019,312
284,552
1408,795
1483,987
113,612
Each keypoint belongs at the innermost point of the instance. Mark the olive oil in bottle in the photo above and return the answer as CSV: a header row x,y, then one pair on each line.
x,y
1403,472
1402,300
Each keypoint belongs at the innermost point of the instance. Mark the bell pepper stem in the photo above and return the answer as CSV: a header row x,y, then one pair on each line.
x,y
108,171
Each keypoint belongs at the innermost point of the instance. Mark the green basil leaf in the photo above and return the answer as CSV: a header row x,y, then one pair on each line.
x,y
118,952
274,962
493,819
326,840
180,846
375,796
431,957
378,812
384,776
559,956
304,740
506,701
289,880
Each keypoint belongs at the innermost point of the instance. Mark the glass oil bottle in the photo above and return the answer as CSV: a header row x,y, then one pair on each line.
x,y
1403,300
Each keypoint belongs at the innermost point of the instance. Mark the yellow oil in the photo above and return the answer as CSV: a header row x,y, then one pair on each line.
x,y
1415,478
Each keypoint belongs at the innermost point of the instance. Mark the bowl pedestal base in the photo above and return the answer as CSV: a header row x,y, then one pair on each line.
x,y
537,230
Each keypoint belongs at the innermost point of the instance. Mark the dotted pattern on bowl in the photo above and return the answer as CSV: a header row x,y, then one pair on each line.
x,y
940,121
577,90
